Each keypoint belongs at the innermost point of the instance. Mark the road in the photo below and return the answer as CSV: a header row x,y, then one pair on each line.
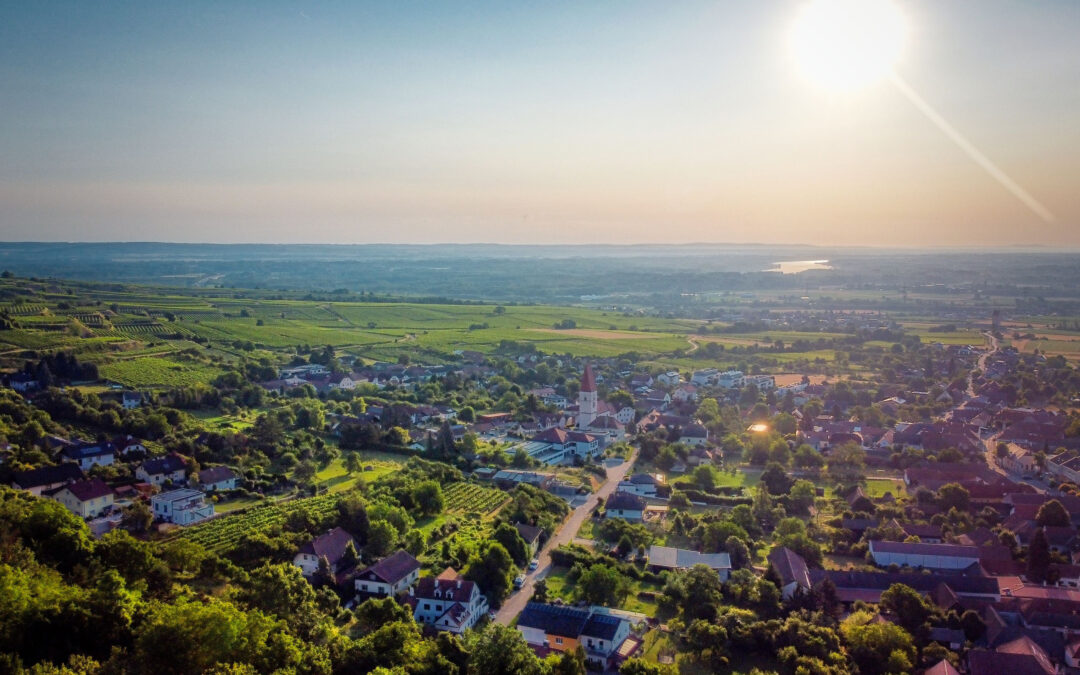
x,y
982,360
517,601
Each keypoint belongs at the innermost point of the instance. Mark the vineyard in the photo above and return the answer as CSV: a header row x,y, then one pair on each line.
x,y
221,534
473,498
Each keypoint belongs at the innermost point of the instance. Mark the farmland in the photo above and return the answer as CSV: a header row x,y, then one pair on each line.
x,y
470,498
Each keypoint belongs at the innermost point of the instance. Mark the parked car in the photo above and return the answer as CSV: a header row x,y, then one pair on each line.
x,y
533,564
519,581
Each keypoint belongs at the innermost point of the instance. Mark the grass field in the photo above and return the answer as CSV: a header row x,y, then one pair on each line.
x,y
154,371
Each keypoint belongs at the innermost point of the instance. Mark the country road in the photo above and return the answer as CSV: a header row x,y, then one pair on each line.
x,y
518,599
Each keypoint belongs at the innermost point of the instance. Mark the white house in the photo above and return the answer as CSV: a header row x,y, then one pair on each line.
x,y
694,435
217,478
668,558
131,400
87,455
641,484
730,379
182,507
671,378
85,498
170,468
626,506
448,602
331,545
392,575
704,377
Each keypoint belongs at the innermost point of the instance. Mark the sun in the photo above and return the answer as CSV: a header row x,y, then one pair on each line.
x,y
847,44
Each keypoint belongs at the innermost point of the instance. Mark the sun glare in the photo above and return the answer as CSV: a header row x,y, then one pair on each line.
x,y
847,44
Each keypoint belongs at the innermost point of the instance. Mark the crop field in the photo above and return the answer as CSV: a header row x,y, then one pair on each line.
x,y
153,371
221,534
462,498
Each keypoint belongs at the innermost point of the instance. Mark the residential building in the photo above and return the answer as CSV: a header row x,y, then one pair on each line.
x,y
668,558
84,498
933,556
641,484
392,575
171,468
561,628
37,481
626,506
531,534
182,507
448,602
331,545
731,379
88,455
671,378
217,478
792,570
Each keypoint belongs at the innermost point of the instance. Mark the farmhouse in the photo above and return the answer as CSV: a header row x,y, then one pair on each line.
x,y
448,602
331,546
182,507
390,576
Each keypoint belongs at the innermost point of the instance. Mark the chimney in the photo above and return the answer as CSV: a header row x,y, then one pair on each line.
x,y
459,582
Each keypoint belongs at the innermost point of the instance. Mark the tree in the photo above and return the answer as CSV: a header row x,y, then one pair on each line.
x,y
738,551
602,585
908,606
801,496
570,662
492,570
375,612
639,666
353,463
429,496
137,518
501,650
540,590
775,479
350,557
511,540
953,495
381,538
1038,563
305,471
847,463
1053,514
872,645
1001,450
705,477
467,414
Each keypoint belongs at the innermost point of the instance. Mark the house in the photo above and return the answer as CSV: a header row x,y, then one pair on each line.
x,y
131,400
87,455
560,628
217,478
730,379
531,534
684,393
694,435
704,377
1022,656
626,506
23,382
331,546
792,569
1019,460
671,378
668,558
37,481
126,445
641,484
84,498
868,586
559,446
392,575
182,507
933,556
448,602
170,468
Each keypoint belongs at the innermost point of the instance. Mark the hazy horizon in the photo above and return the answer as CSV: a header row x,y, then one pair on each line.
x,y
353,123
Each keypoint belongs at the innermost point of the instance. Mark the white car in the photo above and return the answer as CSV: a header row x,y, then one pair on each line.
x,y
519,581
533,564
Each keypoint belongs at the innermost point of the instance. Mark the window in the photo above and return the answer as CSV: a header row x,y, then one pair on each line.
x,y
363,586
427,605
558,640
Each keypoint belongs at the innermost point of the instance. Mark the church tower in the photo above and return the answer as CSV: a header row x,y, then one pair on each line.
x,y
587,402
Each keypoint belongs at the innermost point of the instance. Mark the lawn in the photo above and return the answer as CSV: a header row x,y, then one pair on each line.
x,y
561,587
334,477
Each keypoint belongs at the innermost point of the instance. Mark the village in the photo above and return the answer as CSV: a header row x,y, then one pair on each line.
x,y
610,492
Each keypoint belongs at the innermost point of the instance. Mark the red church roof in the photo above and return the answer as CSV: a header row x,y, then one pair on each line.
x,y
588,382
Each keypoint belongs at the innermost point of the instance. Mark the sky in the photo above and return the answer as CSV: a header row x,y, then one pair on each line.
x,y
527,122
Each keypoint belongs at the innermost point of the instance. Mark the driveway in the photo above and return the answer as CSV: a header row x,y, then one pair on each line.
x,y
517,600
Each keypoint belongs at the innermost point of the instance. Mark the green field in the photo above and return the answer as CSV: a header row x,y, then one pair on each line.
x,y
152,371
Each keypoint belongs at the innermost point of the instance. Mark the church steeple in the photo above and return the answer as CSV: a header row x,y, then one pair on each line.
x,y
587,399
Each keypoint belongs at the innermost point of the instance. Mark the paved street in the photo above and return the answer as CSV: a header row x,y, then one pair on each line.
x,y
517,601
